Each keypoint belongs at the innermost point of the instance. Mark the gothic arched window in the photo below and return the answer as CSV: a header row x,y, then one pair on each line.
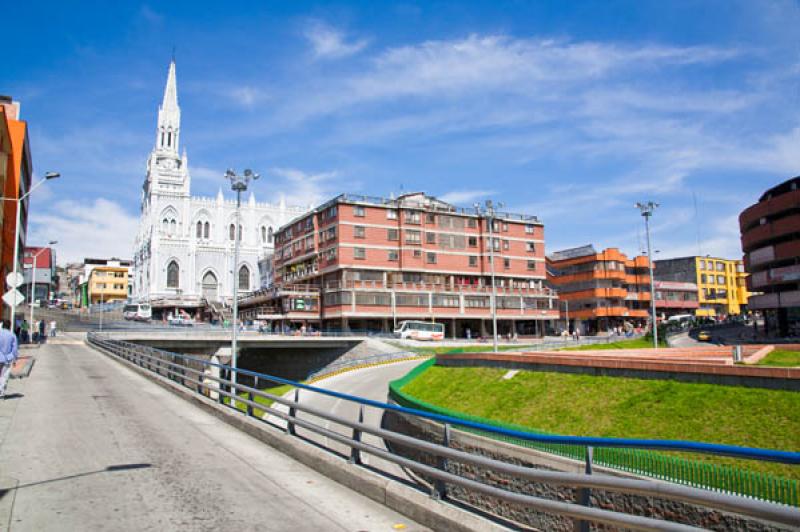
x,y
269,235
232,232
207,230
169,138
173,275
165,225
173,225
244,278
199,230
263,235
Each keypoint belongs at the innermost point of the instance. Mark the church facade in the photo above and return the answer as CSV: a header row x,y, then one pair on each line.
x,y
183,253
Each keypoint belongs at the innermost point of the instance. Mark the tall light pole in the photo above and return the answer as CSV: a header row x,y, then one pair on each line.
x,y
647,211
488,213
238,185
48,176
33,277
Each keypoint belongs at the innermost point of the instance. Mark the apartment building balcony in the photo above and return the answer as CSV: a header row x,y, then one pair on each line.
x,y
332,286
606,312
770,230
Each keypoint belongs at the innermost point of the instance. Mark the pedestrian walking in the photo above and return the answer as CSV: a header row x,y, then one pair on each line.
x,y
25,334
53,328
8,354
42,327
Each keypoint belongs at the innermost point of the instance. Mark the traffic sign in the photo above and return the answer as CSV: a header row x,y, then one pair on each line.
x,y
13,298
15,279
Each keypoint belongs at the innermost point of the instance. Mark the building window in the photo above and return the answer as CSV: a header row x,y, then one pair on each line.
x,y
529,229
417,253
430,238
720,267
199,230
359,211
232,232
263,235
173,226
702,264
391,214
703,278
472,223
359,231
506,245
173,275
430,218
505,227
473,261
413,237
269,235
206,230
393,234
532,265
720,279
506,263
531,247
412,217
360,253
472,241
430,258
393,256
244,278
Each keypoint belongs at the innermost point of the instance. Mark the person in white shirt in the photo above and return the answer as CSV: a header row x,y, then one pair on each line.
x,y
53,326
8,354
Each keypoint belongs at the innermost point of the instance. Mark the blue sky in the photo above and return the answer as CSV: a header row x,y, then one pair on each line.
x,y
569,110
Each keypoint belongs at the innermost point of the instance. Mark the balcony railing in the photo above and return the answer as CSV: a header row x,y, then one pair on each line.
x,y
438,287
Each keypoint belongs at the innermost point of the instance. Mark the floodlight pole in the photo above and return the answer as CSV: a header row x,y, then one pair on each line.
x,y
647,211
239,185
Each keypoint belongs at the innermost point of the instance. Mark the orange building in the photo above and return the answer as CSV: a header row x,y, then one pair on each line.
x,y
16,181
363,263
600,290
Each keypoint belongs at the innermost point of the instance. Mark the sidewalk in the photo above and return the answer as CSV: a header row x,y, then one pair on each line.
x,y
88,444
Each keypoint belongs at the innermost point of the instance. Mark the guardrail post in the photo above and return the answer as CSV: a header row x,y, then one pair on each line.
x,y
248,409
355,452
223,374
292,413
439,491
583,495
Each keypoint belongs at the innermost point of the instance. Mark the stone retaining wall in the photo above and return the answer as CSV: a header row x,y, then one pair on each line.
x,y
633,504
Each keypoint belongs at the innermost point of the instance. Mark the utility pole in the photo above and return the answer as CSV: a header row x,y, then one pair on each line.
x,y
647,211
489,213
238,185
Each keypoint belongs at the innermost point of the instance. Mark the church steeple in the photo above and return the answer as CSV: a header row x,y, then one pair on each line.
x,y
169,116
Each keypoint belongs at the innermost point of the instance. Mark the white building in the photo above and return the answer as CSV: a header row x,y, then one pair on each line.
x,y
183,254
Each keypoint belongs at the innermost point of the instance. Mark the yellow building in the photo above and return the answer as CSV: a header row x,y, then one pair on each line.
x,y
721,288
107,284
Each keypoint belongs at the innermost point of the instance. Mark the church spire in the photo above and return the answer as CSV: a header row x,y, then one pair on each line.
x,y
169,115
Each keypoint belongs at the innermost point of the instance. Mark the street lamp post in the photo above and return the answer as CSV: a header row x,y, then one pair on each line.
x,y
488,213
239,185
647,211
33,279
48,176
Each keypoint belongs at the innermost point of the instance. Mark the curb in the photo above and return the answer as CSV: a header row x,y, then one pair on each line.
x,y
403,499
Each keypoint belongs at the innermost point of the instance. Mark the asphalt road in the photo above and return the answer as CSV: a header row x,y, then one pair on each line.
x,y
87,444
371,383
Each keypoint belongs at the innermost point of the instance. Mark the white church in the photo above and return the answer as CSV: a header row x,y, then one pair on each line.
x,y
183,254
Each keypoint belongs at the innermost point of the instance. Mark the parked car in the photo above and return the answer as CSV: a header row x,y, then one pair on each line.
x,y
180,321
704,336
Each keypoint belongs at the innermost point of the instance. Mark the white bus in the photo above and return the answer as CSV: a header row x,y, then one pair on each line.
x,y
420,330
137,312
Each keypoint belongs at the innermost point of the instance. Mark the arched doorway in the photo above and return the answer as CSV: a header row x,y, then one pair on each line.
x,y
210,286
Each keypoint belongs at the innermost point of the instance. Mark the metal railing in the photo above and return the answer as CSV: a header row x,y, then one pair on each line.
x,y
191,372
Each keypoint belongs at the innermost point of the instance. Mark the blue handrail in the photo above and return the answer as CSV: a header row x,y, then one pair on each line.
x,y
751,453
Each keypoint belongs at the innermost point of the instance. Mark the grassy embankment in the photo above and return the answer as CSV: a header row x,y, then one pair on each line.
x,y
274,390
584,405
781,358
637,343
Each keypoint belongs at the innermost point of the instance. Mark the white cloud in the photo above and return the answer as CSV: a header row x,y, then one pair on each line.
x,y
247,96
463,197
304,188
330,43
100,229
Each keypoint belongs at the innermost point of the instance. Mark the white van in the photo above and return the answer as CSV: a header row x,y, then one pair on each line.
x,y
137,312
420,330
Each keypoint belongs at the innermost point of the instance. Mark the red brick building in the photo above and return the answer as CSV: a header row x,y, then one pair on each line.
x,y
364,263
771,243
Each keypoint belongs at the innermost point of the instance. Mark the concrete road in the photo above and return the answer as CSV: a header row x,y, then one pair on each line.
x,y
371,383
87,444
